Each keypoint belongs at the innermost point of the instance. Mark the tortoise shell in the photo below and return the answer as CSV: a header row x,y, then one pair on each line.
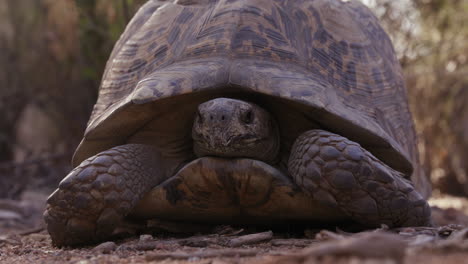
x,y
326,61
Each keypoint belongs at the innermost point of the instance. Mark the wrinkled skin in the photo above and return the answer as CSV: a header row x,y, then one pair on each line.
x,y
95,197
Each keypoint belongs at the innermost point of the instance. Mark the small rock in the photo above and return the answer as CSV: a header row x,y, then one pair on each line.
x,y
146,237
106,247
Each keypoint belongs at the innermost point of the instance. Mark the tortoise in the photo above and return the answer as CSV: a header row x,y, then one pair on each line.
x,y
260,111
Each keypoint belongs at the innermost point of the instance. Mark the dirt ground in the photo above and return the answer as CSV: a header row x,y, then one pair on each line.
x,y
23,239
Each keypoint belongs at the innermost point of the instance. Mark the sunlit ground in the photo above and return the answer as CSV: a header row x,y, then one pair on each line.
x,y
445,201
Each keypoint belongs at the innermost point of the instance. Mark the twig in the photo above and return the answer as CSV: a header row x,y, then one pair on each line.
x,y
196,241
327,235
199,241
250,239
292,242
203,254
32,231
227,231
177,227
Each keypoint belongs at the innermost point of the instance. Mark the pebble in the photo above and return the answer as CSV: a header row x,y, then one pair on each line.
x,y
146,237
106,247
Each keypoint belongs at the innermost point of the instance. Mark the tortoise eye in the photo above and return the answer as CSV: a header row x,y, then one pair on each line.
x,y
247,117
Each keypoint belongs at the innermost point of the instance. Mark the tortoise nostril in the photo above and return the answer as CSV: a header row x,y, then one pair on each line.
x,y
211,117
222,117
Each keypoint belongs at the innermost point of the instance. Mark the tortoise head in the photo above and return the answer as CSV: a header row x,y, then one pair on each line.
x,y
231,128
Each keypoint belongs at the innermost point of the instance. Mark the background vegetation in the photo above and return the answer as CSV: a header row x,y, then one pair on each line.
x,y
53,54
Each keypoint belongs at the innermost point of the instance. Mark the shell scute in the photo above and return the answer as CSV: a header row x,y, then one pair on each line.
x,y
330,56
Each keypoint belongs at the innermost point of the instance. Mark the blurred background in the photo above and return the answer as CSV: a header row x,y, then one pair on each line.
x,y
53,53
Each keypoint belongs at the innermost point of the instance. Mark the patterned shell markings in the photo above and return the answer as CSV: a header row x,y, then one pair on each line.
x,y
351,59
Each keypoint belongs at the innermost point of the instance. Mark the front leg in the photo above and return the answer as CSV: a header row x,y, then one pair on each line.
x,y
93,199
341,174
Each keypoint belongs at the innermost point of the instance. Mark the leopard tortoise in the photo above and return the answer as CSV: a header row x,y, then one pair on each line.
x,y
255,111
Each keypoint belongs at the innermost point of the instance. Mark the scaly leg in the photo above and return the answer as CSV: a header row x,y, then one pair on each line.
x,y
93,199
341,174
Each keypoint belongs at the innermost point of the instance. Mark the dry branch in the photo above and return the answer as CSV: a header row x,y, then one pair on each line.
x,y
292,242
177,227
203,254
250,239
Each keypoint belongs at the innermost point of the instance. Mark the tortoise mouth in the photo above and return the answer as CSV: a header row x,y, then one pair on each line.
x,y
222,190
236,147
